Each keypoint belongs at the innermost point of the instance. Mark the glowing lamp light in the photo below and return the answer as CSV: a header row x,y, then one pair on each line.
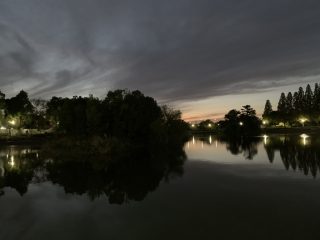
x,y
303,120
3,128
264,122
304,138
192,125
11,162
241,123
265,137
209,125
12,122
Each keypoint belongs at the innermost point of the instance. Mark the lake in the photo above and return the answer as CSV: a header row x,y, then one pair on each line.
x,y
263,188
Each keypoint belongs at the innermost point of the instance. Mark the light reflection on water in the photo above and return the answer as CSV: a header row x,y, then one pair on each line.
x,y
48,200
294,152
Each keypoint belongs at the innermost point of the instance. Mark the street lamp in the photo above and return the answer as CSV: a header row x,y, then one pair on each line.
x,y
209,125
241,123
303,120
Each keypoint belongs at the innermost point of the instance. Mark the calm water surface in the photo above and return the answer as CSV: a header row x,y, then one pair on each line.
x,y
266,188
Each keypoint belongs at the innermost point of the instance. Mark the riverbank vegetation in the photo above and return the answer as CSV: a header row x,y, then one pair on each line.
x,y
301,108
121,114
92,128
235,124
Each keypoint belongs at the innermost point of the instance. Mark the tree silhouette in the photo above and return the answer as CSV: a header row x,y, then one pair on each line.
x,y
289,103
241,123
308,99
282,105
267,109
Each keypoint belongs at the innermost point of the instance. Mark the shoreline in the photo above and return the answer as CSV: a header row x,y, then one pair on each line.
x,y
40,139
24,140
272,130
295,130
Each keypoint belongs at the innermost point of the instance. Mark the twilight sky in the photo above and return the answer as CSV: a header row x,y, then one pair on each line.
x,y
202,56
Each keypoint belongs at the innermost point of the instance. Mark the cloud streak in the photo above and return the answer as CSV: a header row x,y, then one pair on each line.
x,y
176,51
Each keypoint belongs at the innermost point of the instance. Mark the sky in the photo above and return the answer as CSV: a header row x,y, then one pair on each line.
x,y
203,57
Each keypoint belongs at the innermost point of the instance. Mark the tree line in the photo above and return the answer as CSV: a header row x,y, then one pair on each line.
x,y
240,123
295,108
121,114
21,112
235,124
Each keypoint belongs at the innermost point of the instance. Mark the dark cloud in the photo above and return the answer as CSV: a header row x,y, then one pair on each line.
x,y
16,55
173,50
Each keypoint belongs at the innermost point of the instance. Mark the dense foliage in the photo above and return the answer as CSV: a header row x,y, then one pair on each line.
x,y
301,107
121,114
241,123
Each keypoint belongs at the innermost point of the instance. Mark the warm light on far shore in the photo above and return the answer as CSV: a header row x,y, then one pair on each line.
x,y
265,137
12,122
302,121
11,162
304,138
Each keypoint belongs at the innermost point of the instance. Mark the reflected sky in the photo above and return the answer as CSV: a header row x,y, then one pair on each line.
x,y
229,190
295,152
210,148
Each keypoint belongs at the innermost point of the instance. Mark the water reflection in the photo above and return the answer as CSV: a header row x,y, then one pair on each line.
x,y
135,173
16,168
132,177
246,147
295,152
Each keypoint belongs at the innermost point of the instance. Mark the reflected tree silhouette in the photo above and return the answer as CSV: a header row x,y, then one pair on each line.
x,y
248,147
127,177
17,168
295,154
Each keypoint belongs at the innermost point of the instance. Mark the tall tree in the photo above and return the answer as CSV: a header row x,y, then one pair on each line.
x,y
282,106
20,107
300,101
2,108
295,101
247,110
267,109
250,122
289,103
308,99
316,98
19,104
